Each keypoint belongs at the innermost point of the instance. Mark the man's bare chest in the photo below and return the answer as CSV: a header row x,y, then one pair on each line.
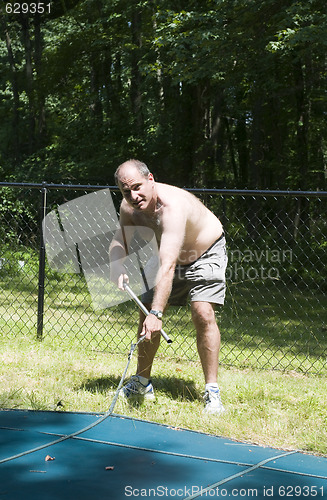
x,y
152,221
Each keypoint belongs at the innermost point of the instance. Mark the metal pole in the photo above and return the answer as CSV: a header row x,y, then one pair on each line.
x,y
144,309
40,301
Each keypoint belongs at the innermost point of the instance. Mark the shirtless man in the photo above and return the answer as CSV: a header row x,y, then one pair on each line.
x,y
193,261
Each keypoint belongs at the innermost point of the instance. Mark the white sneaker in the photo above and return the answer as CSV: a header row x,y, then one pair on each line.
x,y
213,402
134,389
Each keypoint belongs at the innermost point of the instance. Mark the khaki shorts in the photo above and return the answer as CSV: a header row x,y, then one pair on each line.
x,y
202,280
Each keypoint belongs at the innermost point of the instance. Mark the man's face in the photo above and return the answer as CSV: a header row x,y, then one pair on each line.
x,y
137,190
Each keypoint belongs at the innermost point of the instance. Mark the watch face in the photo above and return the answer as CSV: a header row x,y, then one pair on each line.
x,y
158,314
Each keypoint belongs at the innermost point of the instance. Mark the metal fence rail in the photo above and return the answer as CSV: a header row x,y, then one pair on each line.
x,y
275,312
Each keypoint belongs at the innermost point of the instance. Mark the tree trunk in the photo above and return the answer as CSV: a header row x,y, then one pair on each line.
x,y
302,122
218,130
200,140
243,154
136,80
302,89
231,150
253,212
25,23
41,130
95,105
15,91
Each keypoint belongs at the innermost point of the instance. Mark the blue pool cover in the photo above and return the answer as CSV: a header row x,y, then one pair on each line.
x,y
78,456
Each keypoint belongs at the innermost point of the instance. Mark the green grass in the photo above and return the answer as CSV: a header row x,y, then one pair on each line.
x,y
78,365
270,408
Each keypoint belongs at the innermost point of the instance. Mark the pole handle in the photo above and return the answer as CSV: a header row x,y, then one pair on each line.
x,y
144,309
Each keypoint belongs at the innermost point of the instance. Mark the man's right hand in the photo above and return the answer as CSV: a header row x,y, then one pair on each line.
x,y
123,278
118,275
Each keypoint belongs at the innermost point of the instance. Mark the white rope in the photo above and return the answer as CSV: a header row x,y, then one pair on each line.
x,y
242,473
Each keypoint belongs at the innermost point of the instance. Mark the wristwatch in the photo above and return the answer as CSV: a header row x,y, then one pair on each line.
x,y
158,314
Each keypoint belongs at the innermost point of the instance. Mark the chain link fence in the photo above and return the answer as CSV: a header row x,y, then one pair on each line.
x,y
275,311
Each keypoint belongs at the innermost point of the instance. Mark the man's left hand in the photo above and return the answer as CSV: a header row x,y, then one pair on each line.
x,y
151,325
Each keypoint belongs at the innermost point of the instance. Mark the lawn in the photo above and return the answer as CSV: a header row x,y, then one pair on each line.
x,y
78,364
271,408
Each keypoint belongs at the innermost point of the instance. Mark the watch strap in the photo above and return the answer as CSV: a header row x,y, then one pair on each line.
x,y
156,313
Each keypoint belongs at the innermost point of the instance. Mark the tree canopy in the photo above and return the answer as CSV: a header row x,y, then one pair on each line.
x,y
209,93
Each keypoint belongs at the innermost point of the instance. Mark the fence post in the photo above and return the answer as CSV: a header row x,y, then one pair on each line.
x,y
40,302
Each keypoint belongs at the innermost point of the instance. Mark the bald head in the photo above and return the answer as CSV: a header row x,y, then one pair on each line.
x,y
136,184
138,165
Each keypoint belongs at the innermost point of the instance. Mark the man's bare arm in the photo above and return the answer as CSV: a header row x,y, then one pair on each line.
x,y
171,243
168,256
118,251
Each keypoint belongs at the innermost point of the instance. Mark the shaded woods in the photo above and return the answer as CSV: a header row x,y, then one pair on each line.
x,y
209,93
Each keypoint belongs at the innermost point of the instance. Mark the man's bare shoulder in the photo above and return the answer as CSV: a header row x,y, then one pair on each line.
x,y
171,193
173,196
168,188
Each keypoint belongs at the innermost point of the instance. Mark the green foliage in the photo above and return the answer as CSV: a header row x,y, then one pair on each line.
x,y
18,219
209,93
